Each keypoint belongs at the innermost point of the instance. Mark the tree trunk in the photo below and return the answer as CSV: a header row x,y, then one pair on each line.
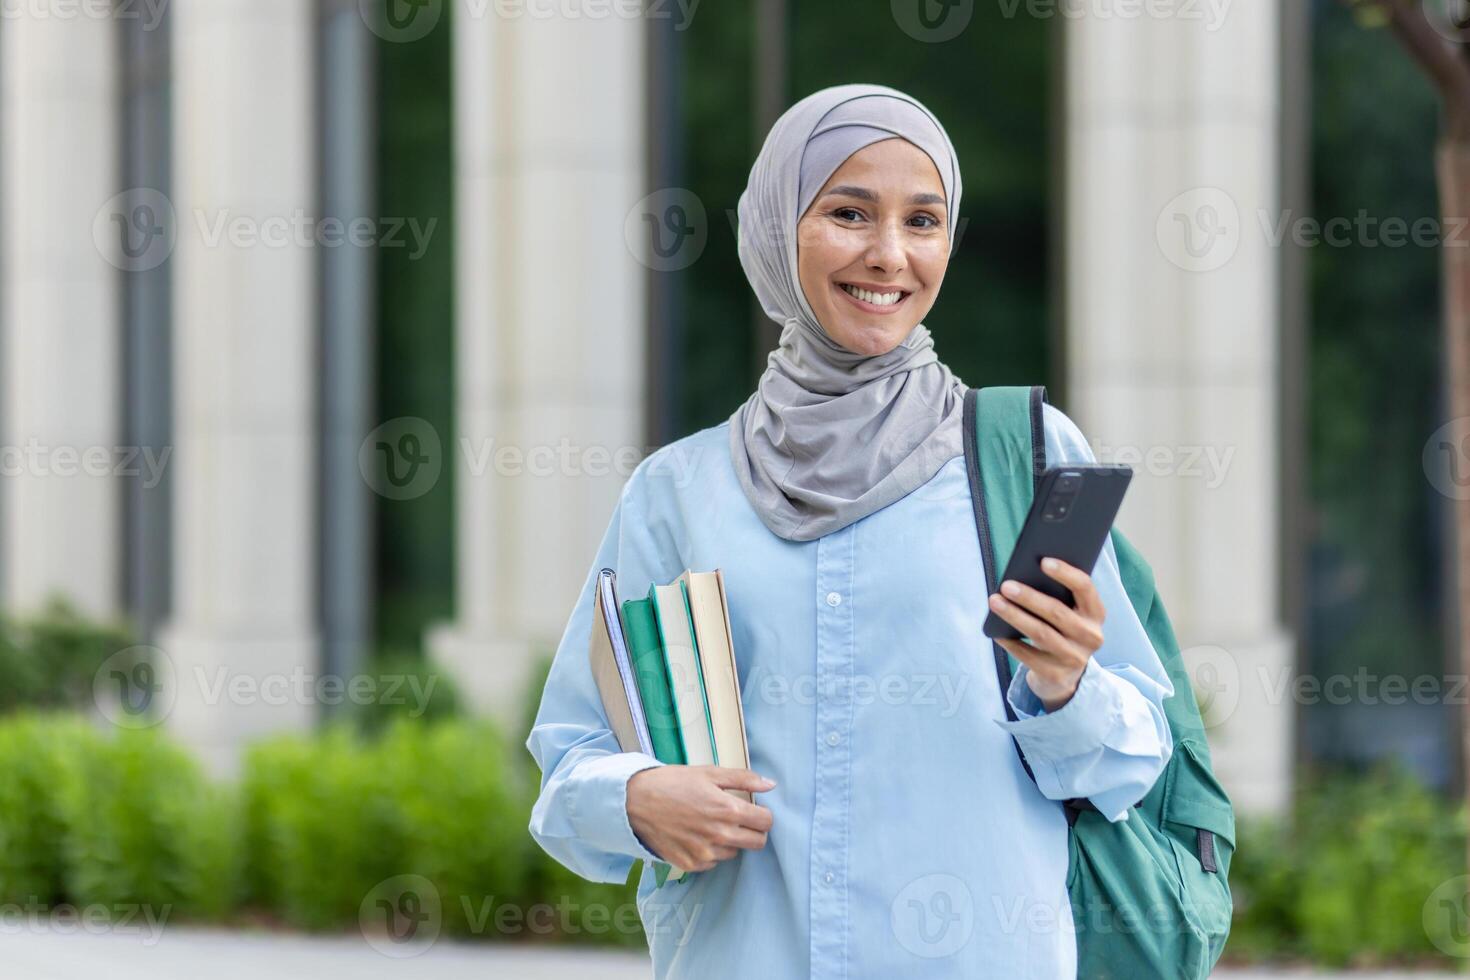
x,y
1452,158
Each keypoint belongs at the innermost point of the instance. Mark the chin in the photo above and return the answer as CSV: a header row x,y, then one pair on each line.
x,y
866,340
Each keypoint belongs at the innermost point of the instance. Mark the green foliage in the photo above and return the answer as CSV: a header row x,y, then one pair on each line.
x,y
324,824
50,659
38,756
107,818
462,813
145,827
409,687
1344,880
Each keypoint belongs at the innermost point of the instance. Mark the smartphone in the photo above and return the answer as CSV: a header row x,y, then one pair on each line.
x,y
1070,518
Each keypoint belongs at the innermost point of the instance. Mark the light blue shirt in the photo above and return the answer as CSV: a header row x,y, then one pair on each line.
x,y
907,839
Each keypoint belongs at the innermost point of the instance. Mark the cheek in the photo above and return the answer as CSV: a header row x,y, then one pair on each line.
x,y
930,263
823,248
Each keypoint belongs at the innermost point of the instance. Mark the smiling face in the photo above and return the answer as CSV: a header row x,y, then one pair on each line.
x,y
873,246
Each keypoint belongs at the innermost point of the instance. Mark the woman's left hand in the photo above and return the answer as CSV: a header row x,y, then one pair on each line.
x,y
1062,639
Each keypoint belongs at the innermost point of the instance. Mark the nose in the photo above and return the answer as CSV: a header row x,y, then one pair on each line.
x,y
885,252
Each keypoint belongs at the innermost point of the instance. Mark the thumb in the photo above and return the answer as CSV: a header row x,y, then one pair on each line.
x,y
726,778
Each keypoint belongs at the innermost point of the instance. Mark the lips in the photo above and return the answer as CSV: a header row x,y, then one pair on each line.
x,y
881,300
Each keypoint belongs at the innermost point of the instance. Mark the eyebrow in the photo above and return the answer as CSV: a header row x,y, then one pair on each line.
x,y
862,193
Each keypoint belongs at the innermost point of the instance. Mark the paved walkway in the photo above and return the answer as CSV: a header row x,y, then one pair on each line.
x,y
83,955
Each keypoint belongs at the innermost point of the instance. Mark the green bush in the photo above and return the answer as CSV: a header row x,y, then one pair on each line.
x,y
462,815
409,687
1345,878
37,757
143,826
50,659
323,826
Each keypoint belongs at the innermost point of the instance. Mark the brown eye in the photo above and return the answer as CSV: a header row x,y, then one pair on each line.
x,y
844,213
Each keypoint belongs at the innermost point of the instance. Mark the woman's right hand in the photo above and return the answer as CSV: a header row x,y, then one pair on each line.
x,y
684,815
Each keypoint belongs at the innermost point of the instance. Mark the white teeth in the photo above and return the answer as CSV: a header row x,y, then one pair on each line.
x,y
877,299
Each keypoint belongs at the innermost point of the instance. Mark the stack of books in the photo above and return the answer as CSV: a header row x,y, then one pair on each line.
x,y
665,669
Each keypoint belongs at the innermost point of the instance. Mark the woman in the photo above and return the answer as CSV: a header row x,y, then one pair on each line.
x,y
895,831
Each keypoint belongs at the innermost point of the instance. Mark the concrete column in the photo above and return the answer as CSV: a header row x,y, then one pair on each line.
x,y
549,325
60,424
1172,341
245,373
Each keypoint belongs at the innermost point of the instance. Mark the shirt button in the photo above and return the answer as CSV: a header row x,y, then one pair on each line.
x,y
829,877
833,738
834,598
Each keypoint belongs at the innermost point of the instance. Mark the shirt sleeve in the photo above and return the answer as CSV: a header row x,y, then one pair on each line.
x,y
1110,742
580,817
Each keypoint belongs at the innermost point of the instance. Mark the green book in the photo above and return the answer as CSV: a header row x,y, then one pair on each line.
x,y
653,680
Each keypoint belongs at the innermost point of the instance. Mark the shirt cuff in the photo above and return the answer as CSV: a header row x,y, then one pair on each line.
x,y
598,804
1080,726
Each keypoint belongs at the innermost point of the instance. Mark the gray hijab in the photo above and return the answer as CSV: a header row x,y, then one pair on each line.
x,y
830,436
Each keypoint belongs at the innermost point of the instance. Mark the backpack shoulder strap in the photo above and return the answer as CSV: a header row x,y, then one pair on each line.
x,y
1005,456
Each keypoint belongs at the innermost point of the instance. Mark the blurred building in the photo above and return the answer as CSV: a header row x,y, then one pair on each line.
x,y
177,191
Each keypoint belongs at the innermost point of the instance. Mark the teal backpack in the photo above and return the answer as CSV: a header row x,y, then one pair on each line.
x,y
1149,894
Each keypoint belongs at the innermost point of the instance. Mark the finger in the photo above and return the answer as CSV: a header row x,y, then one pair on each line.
x,y
1064,618
742,779
1084,590
1039,660
723,853
1041,633
755,817
743,838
